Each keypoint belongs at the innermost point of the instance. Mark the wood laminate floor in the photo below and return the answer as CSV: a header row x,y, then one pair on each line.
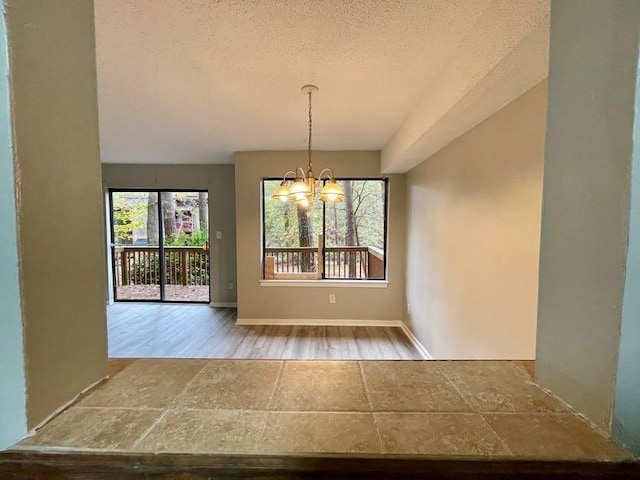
x,y
149,330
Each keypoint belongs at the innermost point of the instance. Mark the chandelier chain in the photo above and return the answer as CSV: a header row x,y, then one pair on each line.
x,y
310,130
304,187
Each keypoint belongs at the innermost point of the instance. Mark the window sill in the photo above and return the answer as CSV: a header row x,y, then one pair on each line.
x,y
326,283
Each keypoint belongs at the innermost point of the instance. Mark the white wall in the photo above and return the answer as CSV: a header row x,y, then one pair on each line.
x,y
13,396
587,171
312,302
473,226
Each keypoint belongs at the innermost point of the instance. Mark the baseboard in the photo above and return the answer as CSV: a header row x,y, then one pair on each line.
x,y
416,343
224,304
334,322
83,393
319,322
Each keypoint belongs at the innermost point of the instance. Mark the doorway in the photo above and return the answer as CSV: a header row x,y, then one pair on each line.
x,y
160,245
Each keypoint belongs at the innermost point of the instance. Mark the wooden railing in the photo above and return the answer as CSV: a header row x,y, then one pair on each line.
x,y
375,263
294,260
339,262
138,265
345,262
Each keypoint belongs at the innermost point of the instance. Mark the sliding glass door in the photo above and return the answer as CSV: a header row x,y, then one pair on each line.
x,y
160,245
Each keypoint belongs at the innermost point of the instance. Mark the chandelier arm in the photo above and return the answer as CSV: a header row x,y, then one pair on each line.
x,y
331,174
285,175
304,175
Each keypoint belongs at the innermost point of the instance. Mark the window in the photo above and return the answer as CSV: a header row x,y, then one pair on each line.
x,y
342,241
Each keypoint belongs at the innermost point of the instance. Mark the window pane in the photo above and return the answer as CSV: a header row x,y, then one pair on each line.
x,y
290,236
186,253
135,236
355,231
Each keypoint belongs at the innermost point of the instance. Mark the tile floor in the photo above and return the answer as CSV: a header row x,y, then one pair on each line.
x,y
389,407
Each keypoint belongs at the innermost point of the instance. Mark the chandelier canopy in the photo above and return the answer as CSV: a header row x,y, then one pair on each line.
x,y
303,186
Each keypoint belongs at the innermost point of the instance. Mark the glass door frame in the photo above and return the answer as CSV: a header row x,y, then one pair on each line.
x,y
161,252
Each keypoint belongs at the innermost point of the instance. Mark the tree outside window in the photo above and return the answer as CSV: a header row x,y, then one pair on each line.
x,y
348,238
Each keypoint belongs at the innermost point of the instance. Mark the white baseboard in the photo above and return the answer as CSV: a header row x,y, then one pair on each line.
x,y
68,404
334,322
416,343
319,322
224,304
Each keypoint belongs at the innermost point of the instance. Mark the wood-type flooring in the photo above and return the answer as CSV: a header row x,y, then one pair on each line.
x,y
150,330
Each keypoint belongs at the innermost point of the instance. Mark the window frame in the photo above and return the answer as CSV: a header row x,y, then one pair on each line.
x,y
327,280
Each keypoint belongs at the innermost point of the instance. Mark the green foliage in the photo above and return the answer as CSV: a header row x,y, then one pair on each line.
x,y
128,216
369,214
130,213
281,220
197,238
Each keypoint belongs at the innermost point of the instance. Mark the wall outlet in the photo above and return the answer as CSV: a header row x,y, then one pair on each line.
x,y
408,308
218,235
332,298
230,286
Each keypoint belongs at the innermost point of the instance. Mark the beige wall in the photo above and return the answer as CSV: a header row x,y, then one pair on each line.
x,y
55,114
473,219
268,302
219,181
585,226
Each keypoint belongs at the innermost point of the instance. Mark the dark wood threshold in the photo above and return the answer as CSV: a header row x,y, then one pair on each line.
x,y
36,465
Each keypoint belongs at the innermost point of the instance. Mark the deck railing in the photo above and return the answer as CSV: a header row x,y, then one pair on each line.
x,y
140,265
339,262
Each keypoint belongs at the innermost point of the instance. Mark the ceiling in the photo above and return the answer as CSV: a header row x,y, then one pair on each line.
x,y
192,81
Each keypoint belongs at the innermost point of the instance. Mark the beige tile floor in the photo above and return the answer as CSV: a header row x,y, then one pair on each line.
x,y
389,407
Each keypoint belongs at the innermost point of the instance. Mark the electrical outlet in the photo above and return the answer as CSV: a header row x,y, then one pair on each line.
x,y
230,286
332,298
218,235
408,308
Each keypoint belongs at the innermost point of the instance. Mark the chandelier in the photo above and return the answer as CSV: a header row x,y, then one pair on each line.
x,y
302,188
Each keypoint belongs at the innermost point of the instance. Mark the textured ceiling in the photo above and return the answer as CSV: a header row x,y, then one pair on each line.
x,y
192,81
